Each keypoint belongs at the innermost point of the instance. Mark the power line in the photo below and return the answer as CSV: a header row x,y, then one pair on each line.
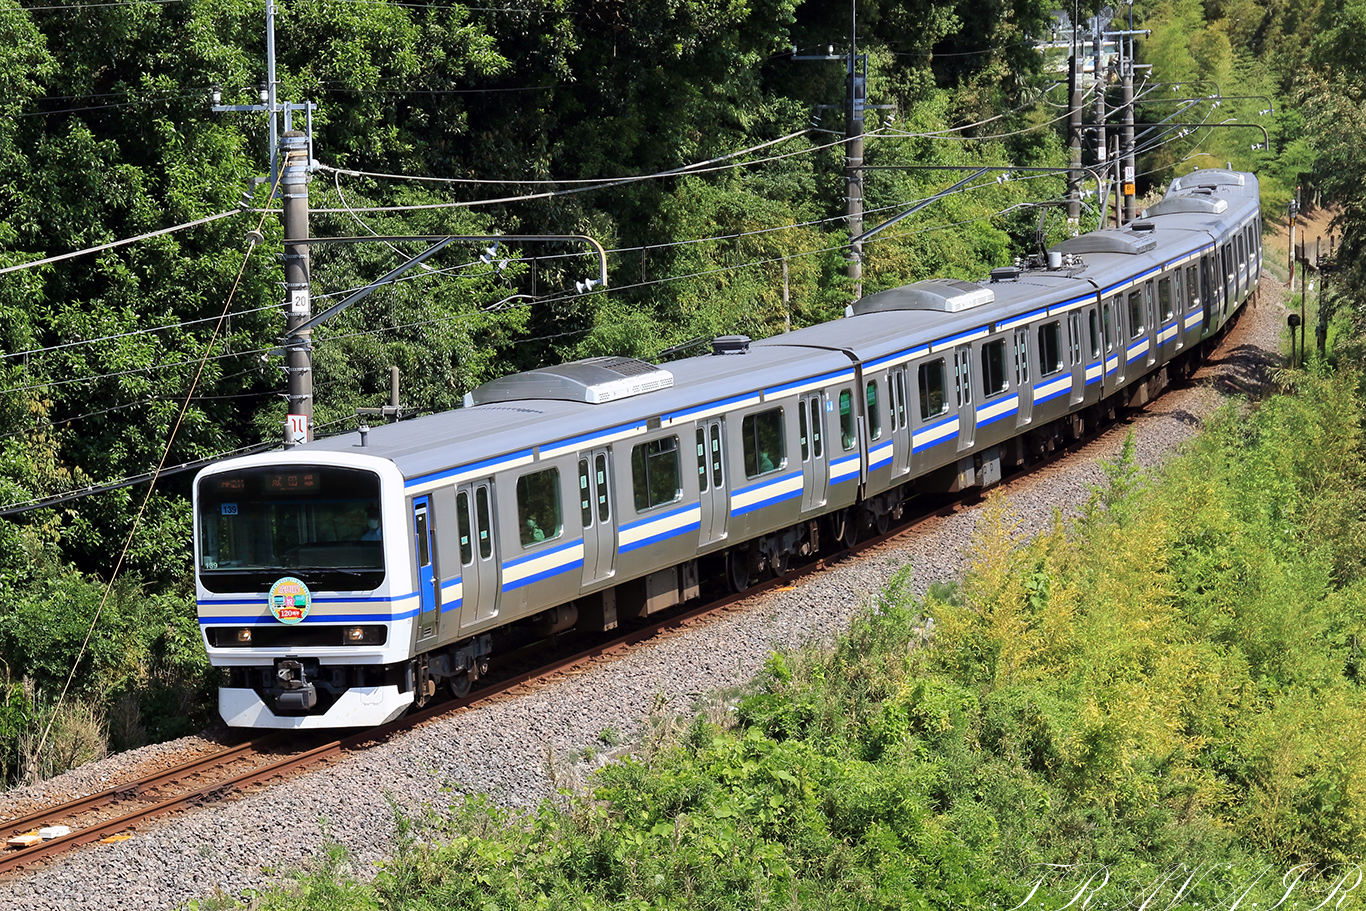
x,y
594,180
122,335
607,184
147,369
120,243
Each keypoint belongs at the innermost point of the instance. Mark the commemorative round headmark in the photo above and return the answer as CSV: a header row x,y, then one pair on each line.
x,y
290,600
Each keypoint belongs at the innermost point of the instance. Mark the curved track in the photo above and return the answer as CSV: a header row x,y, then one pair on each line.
x,y
218,776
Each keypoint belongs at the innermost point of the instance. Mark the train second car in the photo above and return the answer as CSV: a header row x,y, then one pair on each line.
x,y
343,581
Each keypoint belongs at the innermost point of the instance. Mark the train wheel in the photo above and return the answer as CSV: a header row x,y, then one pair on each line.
x,y
458,685
846,527
882,521
737,569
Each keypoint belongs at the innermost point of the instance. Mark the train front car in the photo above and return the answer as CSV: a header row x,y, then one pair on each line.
x,y
298,598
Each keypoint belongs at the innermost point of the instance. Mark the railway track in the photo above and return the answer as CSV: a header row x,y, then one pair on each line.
x,y
132,806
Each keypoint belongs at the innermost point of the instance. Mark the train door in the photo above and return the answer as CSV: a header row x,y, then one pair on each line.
x,y
478,553
811,429
1207,291
595,509
713,494
901,424
428,585
1230,276
1024,391
1074,349
1112,333
967,414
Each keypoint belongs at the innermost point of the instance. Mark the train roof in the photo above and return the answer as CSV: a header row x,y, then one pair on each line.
x,y
481,432
584,403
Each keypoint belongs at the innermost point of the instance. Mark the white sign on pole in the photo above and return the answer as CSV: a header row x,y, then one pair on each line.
x,y
296,428
299,302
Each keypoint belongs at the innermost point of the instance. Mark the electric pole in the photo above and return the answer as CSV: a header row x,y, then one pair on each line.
x,y
853,152
856,79
1102,149
1074,138
298,303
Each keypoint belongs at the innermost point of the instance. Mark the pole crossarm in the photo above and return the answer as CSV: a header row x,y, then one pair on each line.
x,y
918,206
1266,137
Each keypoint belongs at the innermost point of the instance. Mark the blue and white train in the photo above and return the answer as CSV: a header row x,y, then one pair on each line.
x,y
343,581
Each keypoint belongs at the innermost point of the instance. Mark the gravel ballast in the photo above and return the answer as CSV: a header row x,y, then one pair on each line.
x,y
521,748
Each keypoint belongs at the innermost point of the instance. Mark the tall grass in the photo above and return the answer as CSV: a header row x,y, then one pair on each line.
x,y
1160,702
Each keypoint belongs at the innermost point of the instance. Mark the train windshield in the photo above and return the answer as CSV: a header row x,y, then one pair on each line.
x,y
318,523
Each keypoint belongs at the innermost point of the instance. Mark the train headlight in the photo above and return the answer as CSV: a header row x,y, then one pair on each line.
x,y
244,635
354,634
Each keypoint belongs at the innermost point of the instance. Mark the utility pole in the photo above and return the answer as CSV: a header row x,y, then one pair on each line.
x,y
1102,148
853,153
1127,136
298,302
1074,137
856,78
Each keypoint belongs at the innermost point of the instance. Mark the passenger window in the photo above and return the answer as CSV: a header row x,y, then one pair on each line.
x,y
462,522
994,367
874,413
585,495
762,439
1135,314
1192,287
816,427
1021,358
538,507
424,558
1050,348
481,508
932,401
600,469
716,476
1095,335
654,473
901,399
1164,297
848,434
801,434
701,460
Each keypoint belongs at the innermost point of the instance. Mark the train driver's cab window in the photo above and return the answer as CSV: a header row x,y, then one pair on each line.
x,y
848,435
762,434
994,367
1164,298
1135,313
874,413
538,507
1050,348
655,474
932,400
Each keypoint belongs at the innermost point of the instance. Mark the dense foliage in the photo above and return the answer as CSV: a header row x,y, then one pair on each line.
x,y
1169,688
106,133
